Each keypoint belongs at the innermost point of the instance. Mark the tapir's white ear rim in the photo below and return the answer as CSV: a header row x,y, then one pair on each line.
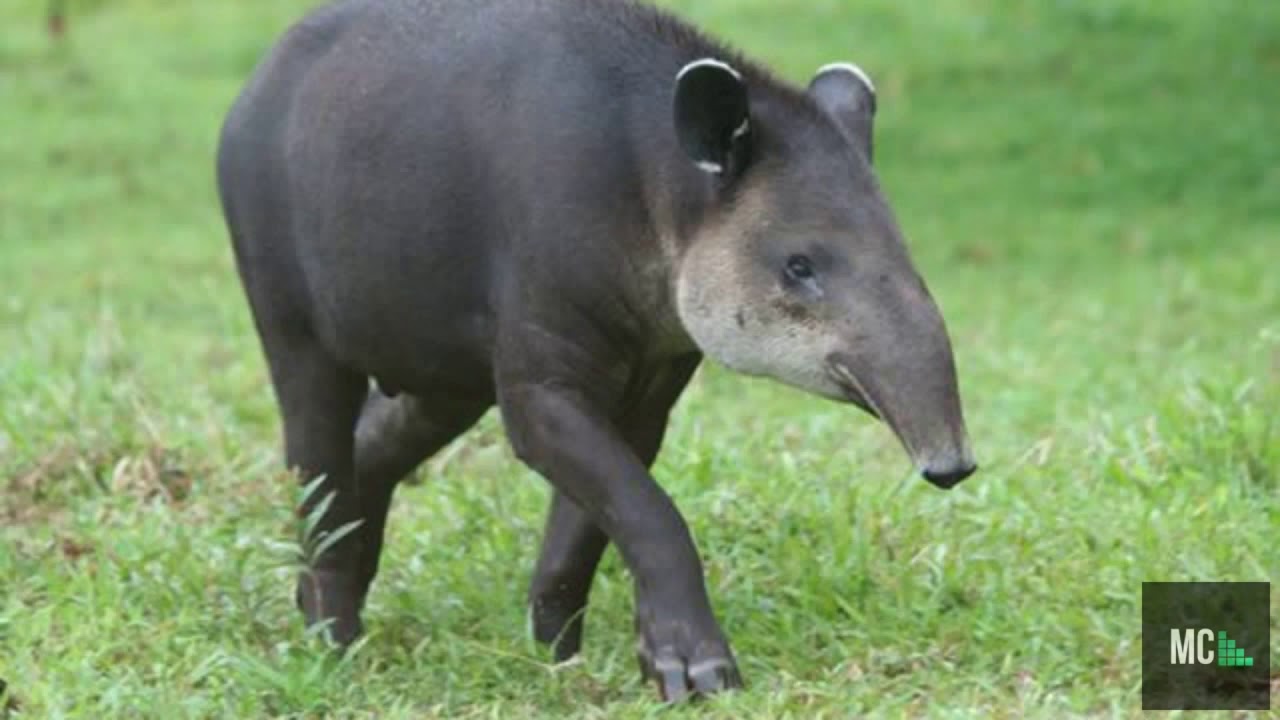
x,y
847,67
712,116
708,63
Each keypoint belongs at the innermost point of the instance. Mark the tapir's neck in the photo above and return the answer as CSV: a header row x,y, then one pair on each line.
x,y
678,201
651,285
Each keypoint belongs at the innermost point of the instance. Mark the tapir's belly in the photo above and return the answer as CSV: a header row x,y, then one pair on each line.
x,y
412,311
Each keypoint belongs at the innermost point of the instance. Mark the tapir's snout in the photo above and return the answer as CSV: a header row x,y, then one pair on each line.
x,y
916,394
948,459
948,476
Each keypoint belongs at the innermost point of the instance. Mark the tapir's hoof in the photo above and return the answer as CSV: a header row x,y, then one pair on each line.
x,y
687,674
679,680
333,599
558,625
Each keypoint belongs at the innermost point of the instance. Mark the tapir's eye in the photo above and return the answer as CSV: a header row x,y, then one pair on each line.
x,y
799,268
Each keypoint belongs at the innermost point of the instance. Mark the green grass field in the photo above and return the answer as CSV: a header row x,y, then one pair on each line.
x,y
1092,190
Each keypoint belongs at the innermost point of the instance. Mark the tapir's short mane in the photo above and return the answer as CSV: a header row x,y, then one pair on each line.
x,y
652,22
662,24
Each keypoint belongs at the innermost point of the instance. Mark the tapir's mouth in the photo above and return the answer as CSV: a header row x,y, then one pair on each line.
x,y
856,391
853,389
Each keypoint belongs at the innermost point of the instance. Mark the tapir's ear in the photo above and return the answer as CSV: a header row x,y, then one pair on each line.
x,y
846,93
713,117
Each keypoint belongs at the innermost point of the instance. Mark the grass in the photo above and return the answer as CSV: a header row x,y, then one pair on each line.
x,y
1089,188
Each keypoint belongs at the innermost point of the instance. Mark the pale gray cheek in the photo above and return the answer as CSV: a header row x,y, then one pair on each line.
x,y
766,345
752,334
791,352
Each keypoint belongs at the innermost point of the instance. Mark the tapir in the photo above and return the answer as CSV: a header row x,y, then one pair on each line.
x,y
558,208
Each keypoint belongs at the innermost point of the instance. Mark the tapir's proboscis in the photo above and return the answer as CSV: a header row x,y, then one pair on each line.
x,y
558,207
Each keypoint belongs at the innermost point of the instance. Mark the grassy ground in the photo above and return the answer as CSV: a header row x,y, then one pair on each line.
x,y
1092,190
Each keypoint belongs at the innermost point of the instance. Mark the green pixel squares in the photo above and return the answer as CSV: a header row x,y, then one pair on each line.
x,y
1229,655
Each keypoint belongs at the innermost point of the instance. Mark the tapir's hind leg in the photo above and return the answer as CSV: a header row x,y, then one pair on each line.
x,y
393,437
319,402
571,549
362,459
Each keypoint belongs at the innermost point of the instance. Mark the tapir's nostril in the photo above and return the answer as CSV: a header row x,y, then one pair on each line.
x,y
947,478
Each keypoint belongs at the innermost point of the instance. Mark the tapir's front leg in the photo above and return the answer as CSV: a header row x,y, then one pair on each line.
x,y
559,431
572,544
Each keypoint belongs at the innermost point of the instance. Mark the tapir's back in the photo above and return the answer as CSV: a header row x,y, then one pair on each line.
x,y
374,105
390,157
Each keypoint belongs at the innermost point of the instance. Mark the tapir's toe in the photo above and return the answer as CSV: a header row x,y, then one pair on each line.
x,y
714,676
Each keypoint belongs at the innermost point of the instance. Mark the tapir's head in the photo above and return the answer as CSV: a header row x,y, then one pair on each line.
x,y
799,271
